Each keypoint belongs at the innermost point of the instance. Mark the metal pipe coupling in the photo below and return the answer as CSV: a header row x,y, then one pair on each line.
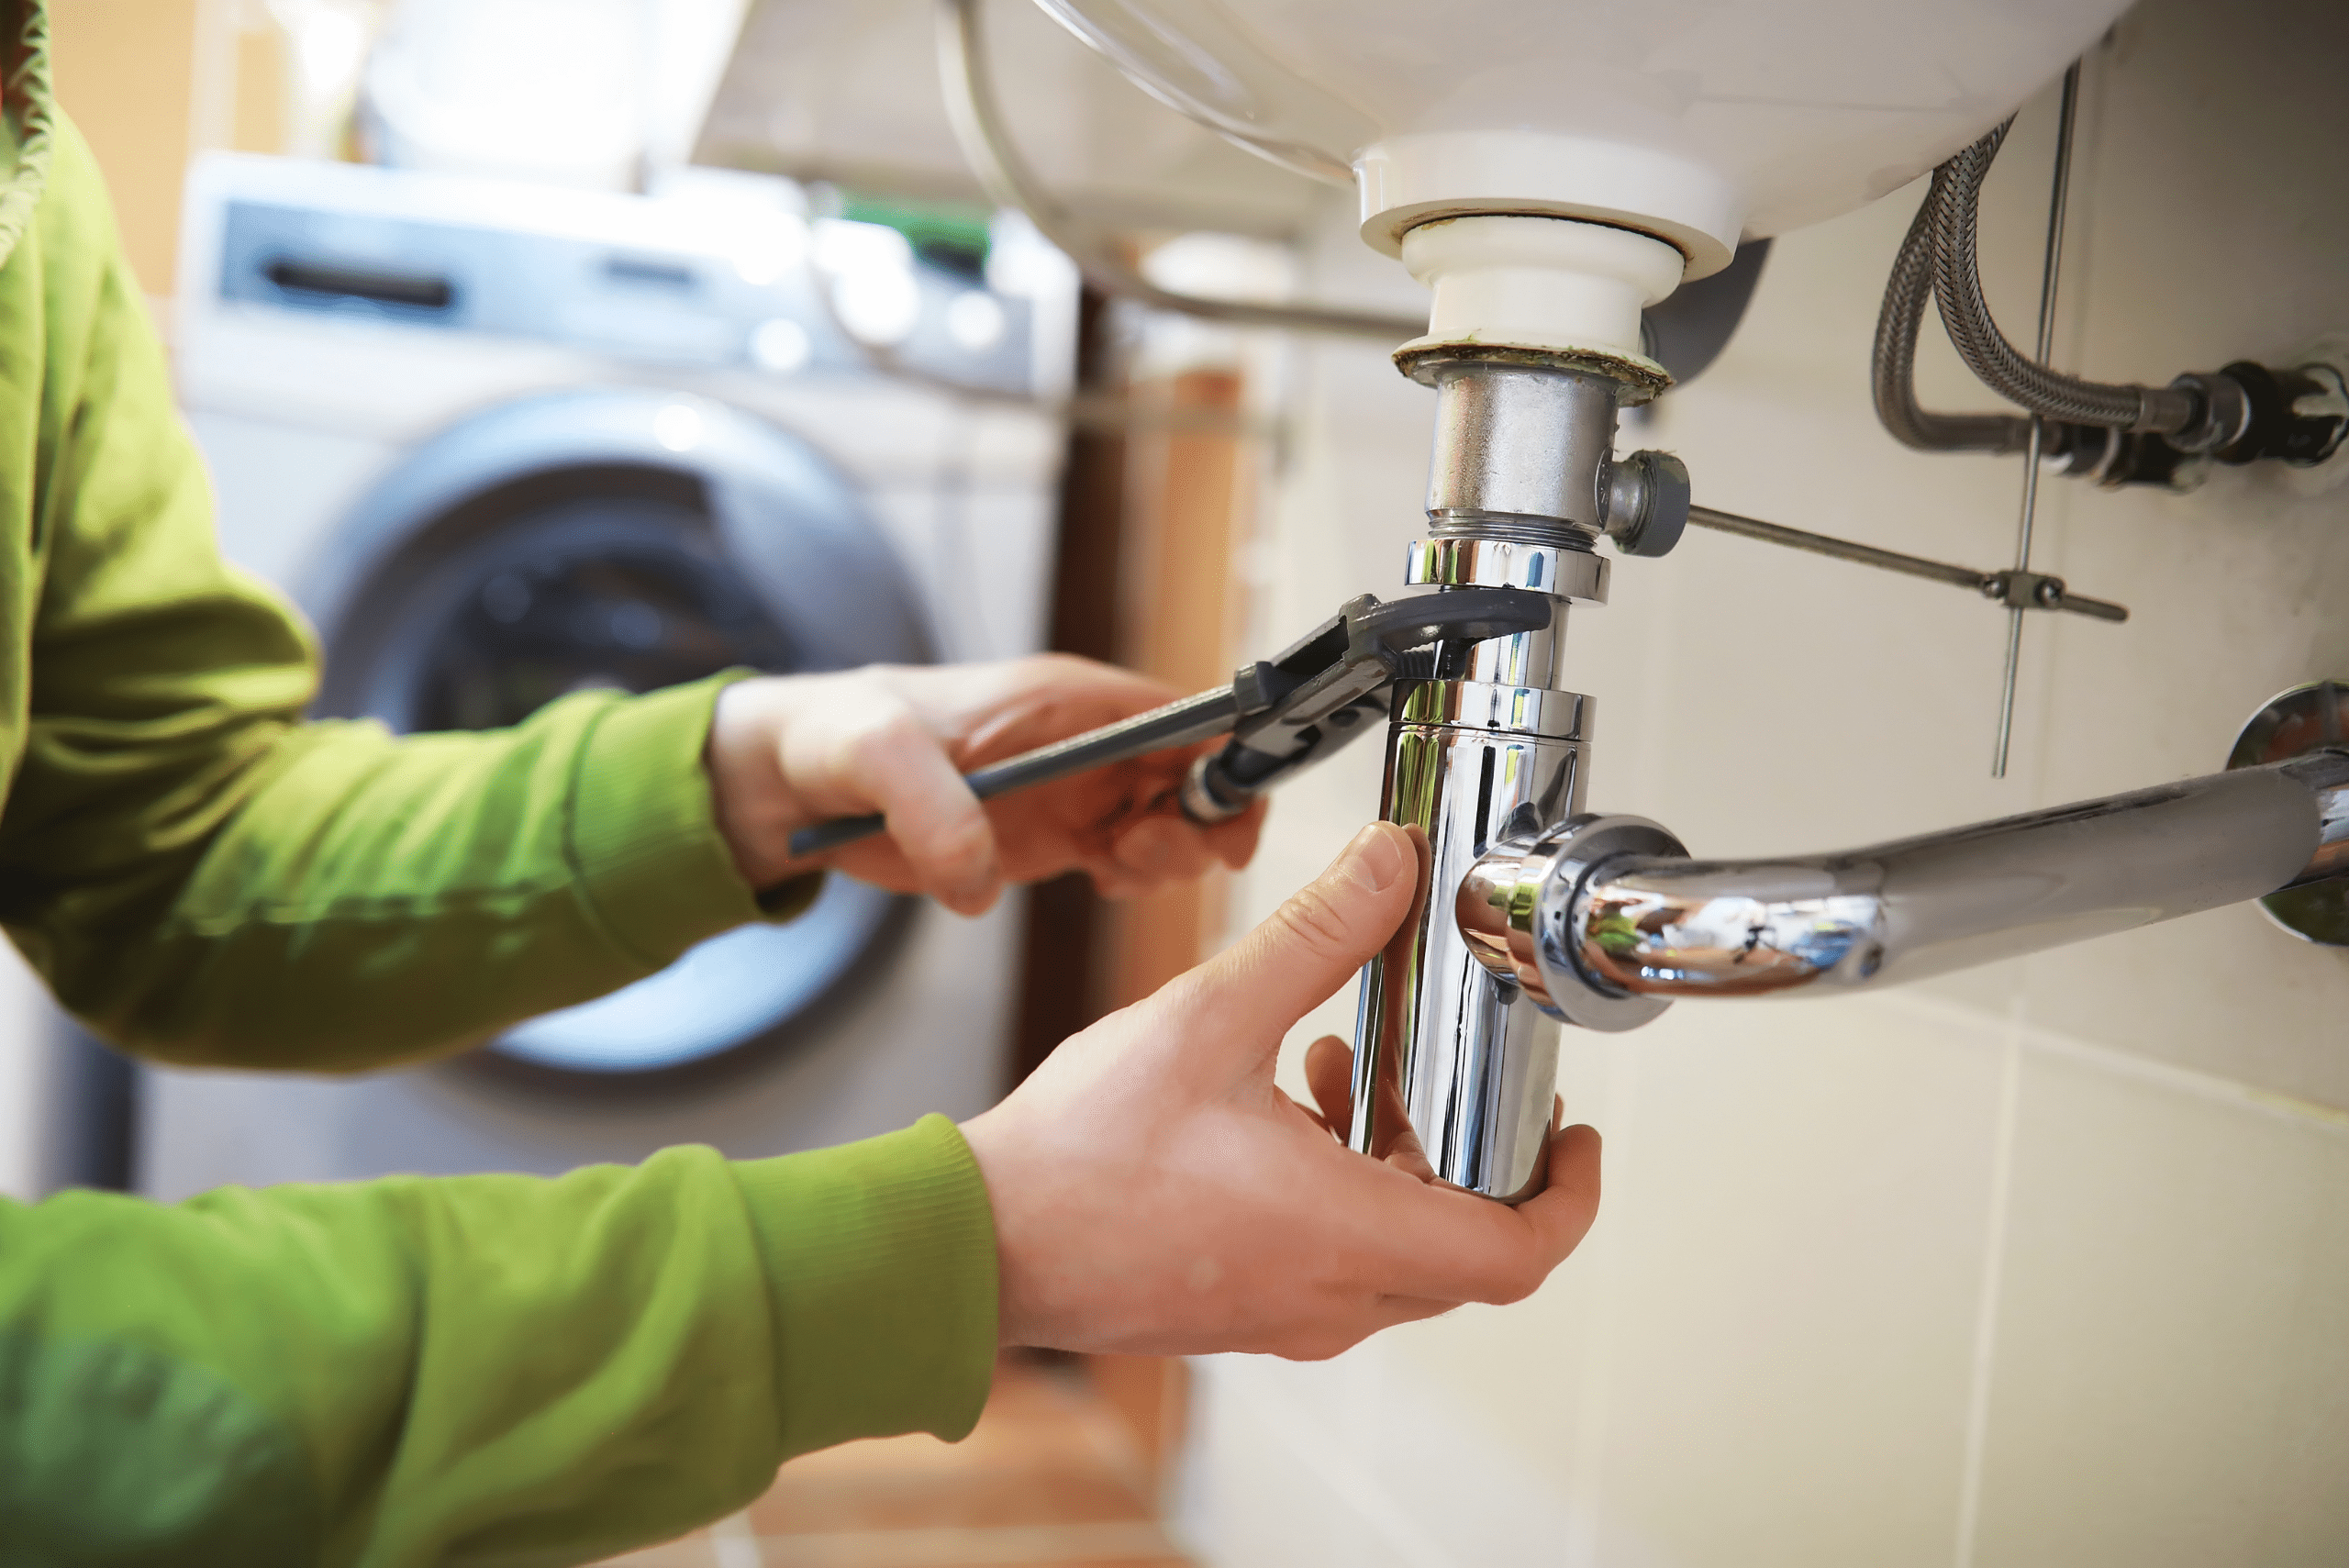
x,y
1521,446
1519,910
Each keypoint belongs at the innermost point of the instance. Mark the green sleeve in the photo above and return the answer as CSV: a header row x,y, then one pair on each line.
x,y
477,1369
205,878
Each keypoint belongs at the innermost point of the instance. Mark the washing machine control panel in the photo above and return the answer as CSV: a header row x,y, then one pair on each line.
x,y
737,279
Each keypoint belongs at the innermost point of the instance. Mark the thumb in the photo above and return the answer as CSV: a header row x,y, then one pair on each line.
x,y
1312,944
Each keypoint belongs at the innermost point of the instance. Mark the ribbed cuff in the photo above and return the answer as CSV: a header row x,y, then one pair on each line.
x,y
644,835
880,1265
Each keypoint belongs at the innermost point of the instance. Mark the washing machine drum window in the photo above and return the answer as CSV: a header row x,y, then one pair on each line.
x,y
622,596
485,610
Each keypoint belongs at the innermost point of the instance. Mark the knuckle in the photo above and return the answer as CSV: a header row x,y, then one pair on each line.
x,y
1182,1001
897,725
1314,919
1043,674
882,734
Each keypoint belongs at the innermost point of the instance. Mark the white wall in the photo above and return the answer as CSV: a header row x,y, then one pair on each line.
x,y
2044,1263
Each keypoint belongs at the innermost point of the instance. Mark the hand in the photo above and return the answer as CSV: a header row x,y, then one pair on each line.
x,y
789,751
1155,1192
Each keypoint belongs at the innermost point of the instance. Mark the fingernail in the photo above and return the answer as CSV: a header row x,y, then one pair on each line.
x,y
1377,856
972,902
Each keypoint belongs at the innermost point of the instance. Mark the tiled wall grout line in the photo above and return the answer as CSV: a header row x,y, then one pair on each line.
x,y
1985,1321
2188,1080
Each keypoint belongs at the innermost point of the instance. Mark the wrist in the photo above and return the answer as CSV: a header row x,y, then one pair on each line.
x,y
1016,1324
750,800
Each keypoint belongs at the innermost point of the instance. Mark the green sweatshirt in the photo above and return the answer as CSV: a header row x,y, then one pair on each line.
x,y
468,1370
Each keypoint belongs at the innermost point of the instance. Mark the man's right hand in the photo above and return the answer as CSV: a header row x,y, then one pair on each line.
x,y
786,751
1154,1191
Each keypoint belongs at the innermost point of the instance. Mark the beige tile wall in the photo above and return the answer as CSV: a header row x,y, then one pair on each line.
x,y
2043,1264
2169,1377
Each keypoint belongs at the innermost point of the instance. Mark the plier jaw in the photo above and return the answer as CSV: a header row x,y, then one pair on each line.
x,y
1302,705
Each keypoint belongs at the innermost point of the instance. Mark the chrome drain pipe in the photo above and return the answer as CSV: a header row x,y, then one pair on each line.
x,y
1445,1052
1604,921
1448,1058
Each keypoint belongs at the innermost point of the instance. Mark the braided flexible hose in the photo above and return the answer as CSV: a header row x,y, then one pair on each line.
x,y
1893,364
1965,313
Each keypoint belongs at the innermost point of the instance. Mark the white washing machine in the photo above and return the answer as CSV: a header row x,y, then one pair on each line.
x,y
500,442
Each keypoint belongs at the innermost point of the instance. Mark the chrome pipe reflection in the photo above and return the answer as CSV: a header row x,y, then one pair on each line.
x,y
1619,927
1451,1062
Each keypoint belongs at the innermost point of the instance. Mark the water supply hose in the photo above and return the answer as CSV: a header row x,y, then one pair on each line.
x,y
1955,203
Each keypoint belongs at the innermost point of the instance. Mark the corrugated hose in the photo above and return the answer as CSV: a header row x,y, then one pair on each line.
x,y
1955,203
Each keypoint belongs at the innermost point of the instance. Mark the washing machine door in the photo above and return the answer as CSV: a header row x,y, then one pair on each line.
x,y
628,538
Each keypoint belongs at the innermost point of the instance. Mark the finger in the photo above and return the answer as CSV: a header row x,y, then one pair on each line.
x,y
1561,1215
1250,993
1161,849
1152,845
930,813
1051,697
1329,1075
1393,1139
1113,881
1320,1341
1117,885
1411,1308
1440,1241
1234,842
1409,1155
1316,1118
